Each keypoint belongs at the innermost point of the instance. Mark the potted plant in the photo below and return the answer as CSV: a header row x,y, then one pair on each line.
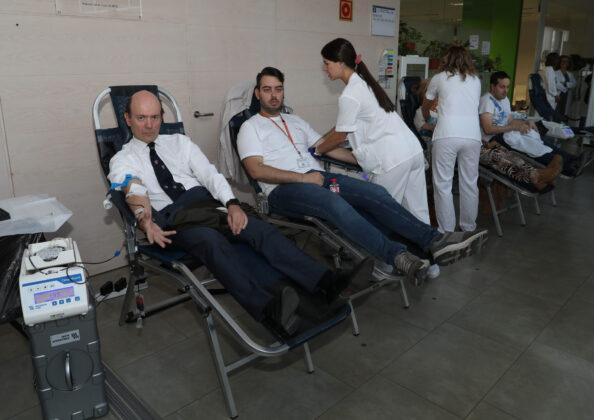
x,y
408,37
435,50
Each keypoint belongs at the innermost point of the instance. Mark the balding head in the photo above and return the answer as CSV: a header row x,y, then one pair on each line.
x,y
143,115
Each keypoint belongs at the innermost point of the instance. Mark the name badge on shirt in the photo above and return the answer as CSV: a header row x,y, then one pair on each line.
x,y
303,163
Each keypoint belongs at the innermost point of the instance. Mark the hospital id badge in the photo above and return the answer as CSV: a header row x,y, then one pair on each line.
x,y
303,163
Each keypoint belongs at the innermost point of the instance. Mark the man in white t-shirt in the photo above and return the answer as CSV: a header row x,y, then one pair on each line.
x,y
497,123
273,147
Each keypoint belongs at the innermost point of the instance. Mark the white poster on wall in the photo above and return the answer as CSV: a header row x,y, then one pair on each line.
x,y
383,21
118,9
486,48
474,42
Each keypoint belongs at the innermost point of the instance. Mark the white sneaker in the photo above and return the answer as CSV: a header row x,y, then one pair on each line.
x,y
433,271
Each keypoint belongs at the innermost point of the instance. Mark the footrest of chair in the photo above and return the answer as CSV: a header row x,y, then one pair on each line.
x,y
311,328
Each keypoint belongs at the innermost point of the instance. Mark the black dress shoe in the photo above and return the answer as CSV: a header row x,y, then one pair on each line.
x,y
281,311
334,282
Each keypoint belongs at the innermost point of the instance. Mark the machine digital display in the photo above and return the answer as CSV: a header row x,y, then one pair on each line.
x,y
54,295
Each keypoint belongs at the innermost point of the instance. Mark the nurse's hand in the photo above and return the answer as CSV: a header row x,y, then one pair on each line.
x,y
313,178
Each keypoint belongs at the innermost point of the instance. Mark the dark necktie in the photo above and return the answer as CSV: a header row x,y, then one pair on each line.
x,y
172,189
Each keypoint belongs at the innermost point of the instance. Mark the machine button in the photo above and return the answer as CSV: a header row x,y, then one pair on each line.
x,y
61,301
68,300
54,303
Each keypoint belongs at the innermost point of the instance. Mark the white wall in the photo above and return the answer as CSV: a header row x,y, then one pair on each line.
x,y
52,67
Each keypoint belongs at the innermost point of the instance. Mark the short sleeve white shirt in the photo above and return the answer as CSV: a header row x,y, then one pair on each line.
x,y
458,106
380,139
259,136
500,109
184,159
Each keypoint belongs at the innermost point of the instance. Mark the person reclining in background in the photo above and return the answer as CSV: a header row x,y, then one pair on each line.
x,y
498,124
274,149
175,178
494,154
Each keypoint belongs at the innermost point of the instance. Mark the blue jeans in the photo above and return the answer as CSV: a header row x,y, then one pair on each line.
x,y
342,210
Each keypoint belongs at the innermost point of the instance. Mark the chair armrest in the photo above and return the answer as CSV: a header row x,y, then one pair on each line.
x,y
118,198
341,164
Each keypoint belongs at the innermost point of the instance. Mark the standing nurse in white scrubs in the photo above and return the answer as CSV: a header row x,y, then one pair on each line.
x,y
383,145
457,136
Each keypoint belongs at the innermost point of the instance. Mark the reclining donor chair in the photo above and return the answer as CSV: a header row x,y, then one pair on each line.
x,y
178,265
487,176
240,105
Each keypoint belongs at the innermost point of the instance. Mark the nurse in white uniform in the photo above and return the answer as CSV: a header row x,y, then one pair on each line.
x,y
457,137
386,149
383,145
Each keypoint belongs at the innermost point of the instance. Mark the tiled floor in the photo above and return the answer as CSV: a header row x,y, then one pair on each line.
x,y
508,334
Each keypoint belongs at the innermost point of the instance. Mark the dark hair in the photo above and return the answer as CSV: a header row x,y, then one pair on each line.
x,y
457,61
569,61
497,76
129,110
552,60
341,50
269,71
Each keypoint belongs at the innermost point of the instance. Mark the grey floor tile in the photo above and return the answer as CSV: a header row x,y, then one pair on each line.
x,y
571,330
178,416
16,386
430,304
586,290
452,367
382,399
548,283
174,377
204,410
282,392
485,411
506,316
121,345
34,413
546,384
474,275
354,360
12,343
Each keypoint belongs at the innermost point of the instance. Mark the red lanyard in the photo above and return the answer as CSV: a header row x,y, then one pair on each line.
x,y
287,133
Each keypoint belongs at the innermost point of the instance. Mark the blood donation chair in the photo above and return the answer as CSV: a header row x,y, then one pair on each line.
x,y
312,225
538,99
143,257
487,175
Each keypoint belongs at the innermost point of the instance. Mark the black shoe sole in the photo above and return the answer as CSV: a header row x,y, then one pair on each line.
x,y
287,318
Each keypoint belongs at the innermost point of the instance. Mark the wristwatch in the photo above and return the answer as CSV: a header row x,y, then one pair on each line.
x,y
231,202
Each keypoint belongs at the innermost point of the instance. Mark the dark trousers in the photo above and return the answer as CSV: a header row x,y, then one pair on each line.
x,y
217,253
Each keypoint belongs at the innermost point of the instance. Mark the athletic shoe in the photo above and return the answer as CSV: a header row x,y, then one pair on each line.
x,y
433,271
454,246
414,268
